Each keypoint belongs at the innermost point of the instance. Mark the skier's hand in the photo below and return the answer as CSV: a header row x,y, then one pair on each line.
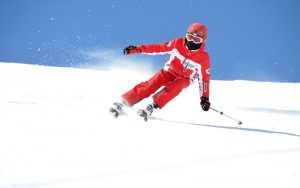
x,y
131,50
205,104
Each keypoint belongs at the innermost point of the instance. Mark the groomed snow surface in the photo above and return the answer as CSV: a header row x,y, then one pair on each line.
x,y
56,132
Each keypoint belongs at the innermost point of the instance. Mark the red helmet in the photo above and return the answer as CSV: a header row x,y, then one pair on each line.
x,y
198,29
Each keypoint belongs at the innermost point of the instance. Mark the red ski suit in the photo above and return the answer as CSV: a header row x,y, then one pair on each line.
x,y
180,70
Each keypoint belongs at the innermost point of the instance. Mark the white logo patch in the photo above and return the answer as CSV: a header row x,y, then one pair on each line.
x,y
168,44
207,71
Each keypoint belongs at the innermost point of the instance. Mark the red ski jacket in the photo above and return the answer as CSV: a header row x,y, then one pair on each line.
x,y
184,62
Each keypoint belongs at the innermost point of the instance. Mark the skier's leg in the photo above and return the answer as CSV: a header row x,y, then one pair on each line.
x,y
171,90
145,89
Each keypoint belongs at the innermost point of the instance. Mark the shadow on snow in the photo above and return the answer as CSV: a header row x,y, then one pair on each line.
x,y
228,127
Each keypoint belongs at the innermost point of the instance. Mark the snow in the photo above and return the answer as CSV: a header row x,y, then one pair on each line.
x,y
55,132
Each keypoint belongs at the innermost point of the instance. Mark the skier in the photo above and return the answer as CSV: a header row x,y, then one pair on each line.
x,y
188,60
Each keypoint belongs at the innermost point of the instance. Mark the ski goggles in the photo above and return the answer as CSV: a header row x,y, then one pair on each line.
x,y
193,37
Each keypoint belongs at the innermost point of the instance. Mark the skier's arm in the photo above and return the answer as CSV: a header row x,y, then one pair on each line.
x,y
204,83
204,79
150,49
157,49
204,88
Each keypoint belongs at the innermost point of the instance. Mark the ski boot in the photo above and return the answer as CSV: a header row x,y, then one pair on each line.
x,y
116,109
145,113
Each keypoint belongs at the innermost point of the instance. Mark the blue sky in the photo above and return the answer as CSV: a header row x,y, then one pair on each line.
x,y
249,40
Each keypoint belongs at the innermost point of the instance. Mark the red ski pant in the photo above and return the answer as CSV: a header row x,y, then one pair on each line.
x,y
173,86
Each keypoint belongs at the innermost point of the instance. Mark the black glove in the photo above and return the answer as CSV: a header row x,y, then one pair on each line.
x,y
205,104
131,50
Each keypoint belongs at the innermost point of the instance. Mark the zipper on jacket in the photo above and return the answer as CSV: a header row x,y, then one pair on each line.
x,y
187,64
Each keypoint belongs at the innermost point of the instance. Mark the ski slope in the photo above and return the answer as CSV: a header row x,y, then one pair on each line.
x,y
55,132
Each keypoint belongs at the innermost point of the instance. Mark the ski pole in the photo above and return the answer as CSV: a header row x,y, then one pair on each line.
x,y
222,113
